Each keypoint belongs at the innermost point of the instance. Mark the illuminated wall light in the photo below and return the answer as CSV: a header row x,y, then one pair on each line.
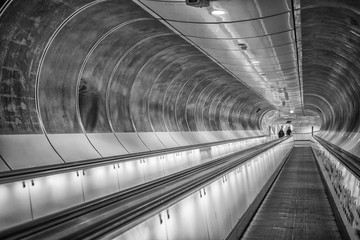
x,y
291,111
100,172
218,12
54,180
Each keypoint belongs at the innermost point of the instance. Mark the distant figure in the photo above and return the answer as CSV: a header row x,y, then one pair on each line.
x,y
288,131
281,133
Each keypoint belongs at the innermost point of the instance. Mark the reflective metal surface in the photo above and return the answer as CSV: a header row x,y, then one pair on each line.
x,y
102,78
331,67
254,40
109,74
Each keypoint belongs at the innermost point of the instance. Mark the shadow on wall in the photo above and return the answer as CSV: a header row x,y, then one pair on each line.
x,y
88,105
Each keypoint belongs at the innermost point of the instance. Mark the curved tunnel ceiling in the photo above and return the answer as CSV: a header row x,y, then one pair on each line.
x,y
254,40
109,67
313,70
331,68
94,76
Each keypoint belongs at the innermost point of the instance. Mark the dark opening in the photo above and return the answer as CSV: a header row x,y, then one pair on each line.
x,y
243,46
198,3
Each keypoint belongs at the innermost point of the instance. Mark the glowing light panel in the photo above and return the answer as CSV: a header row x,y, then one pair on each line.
x,y
218,12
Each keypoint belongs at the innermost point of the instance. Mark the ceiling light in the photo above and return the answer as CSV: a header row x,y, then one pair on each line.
x,y
255,62
291,111
218,12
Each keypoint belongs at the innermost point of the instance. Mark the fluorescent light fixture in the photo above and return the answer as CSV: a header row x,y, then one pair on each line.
x,y
218,12
291,111
255,62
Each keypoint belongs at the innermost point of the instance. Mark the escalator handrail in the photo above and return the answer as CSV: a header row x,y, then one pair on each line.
x,y
350,161
44,223
42,171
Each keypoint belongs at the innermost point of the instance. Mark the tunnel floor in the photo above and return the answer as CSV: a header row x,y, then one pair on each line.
x,y
296,206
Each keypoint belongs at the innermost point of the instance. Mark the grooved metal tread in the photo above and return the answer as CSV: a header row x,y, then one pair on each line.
x,y
296,206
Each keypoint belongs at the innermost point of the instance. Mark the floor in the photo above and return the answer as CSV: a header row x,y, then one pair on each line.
x,y
296,206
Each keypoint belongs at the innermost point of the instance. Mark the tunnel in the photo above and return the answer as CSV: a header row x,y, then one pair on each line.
x,y
101,100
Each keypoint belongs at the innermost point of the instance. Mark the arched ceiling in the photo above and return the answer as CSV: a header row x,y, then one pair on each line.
x,y
119,66
300,55
331,66
255,41
110,67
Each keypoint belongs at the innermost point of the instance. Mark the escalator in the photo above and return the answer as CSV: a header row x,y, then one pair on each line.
x,y
297,205
114,214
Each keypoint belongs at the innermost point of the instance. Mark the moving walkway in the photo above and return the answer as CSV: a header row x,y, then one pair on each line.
x,y
227,192
114,214
297,206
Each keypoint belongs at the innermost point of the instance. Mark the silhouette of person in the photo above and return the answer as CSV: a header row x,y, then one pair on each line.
x,y
281,133
288,131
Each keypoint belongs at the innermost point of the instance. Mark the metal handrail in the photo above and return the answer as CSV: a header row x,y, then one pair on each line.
x,y
294,132
150,206
350,161
35,172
